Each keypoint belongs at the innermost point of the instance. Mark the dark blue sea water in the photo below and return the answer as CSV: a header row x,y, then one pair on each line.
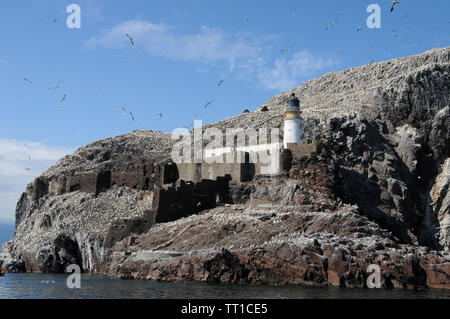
x,y
31,286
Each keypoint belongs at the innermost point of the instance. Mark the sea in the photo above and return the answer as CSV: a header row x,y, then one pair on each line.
x,y
52,286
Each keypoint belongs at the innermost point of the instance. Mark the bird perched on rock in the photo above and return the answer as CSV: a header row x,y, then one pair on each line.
x,y
130,38
394,4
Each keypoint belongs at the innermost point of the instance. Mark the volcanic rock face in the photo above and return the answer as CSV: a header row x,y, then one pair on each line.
x,y
274,245
440,196
375,190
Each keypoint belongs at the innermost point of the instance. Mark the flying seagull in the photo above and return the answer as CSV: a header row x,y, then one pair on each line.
x,y
220,82
394,4
285,51
246,18
26,80
132,116
130,38
359,28
63,98
331,25
1,158
54,87
123,109
208,103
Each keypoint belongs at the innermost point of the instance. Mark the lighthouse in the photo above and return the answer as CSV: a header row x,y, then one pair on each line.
x,y
292,122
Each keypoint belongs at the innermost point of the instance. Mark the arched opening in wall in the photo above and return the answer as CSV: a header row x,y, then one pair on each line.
x,y
103,181
248,169
75,188
171,174
286,160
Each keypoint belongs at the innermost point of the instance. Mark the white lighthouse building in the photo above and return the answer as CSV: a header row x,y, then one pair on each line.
x,y
292,122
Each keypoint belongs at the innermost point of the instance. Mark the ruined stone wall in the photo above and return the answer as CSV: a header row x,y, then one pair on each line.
x,y
244,167
184,199
190,172
136,175
58,186
40,189
121,229
303,149
238,171
83,182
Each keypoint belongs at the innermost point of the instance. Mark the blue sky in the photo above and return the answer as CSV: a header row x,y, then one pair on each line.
x,y
182,50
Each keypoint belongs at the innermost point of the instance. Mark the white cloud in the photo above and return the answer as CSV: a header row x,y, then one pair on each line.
x,y
20,163
209,45
287,72
214,45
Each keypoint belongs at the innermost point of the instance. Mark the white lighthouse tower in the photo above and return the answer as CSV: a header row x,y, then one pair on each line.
x,y
292,122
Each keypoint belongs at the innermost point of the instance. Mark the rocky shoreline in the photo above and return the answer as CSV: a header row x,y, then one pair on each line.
x,y
374,189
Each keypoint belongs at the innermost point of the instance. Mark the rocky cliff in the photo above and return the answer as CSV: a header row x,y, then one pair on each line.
x,y
375,189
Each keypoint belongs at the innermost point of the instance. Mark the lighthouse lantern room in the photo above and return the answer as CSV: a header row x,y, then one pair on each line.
x,y
292,122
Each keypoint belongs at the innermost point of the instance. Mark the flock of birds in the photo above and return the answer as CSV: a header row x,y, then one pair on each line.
x,y
360,28
130,38
26,157
54,87
188,126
